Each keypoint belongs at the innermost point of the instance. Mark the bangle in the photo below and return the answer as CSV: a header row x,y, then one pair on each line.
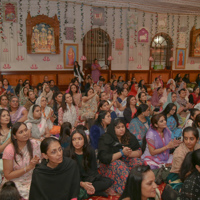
x,y
122,153
25,169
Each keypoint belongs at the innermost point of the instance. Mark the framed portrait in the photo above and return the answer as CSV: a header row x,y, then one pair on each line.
x,y
180,58
70,55
42,33
10,11
119,44
195,42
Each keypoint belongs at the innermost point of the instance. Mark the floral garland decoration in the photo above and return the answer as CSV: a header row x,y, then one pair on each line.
x,y
121,23
195,21
47,8
82,22
39,7
1,23
74,14
187,37
106,19
151,30
20,22
127,31
156,23
11,29
29,5
91,21
168,23
173,29
113,33
65,17
135,33
58,11
143,19
178,31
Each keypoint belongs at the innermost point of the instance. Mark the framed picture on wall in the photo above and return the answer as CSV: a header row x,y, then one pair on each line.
x,y
10,11
180,58
70,55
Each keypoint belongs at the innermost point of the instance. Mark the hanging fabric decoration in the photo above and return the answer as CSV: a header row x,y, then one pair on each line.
x,y
29,5
195,21
20,22
121,23
47,8
82,22
113,35
178,31
106,18
156,23
187,33
1,22
143,19
58,12
151,30
65,18
39,7
74,14
173,29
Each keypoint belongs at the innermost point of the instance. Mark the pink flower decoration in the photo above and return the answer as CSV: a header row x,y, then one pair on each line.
x,y
139,67
5,37
171,59
131,36
131,58
120,53
83,58
20,58
18,31
19,44
192,62
110,58
59,67
131,47
5,50
6,66
139,54
150,58
34,66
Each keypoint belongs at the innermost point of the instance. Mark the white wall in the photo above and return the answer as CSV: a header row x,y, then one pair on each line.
x,y
120,62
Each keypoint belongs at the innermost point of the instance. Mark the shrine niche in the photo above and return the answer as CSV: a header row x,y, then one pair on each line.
x,y
194,42
42,33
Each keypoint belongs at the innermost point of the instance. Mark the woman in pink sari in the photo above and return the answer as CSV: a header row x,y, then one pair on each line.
x,y
96,71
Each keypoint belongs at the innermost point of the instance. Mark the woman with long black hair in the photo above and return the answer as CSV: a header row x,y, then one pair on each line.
x,y
78,72
80,151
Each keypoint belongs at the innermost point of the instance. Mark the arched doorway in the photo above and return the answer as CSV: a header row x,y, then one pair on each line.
x,y
96,44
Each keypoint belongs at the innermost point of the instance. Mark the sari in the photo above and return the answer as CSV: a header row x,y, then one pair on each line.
x,y
120,113
22,99
155,140
17,115
133,91
155,100
23,182
172,125
138,128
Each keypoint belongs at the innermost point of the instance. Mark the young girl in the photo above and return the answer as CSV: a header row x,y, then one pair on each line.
x,y
65,132
90,180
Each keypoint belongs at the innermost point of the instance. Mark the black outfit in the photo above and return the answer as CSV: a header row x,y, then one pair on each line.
x,y
79,71
17,89
114,87
128,115
186,80
55,89
176,78
109,144
87,86
60,183
91,174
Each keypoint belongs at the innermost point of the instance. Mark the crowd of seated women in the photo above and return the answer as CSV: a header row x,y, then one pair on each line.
x,y
107,140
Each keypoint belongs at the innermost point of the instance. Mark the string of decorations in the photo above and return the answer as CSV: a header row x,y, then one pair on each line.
x,y
91,21
187,32
168,23
20,22
113,33
173,29
11,29
195,20
65,17
1,23
135,32
39,7
151,30
29,5
127,32
121,23
82,22
58,12
178,31
106,19
47,8
74,14
143,19
156,28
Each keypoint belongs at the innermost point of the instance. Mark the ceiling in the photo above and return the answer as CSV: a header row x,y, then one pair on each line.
x,y
159,6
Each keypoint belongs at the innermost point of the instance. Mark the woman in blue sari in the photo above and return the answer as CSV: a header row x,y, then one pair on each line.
x,y
140,124
172,120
